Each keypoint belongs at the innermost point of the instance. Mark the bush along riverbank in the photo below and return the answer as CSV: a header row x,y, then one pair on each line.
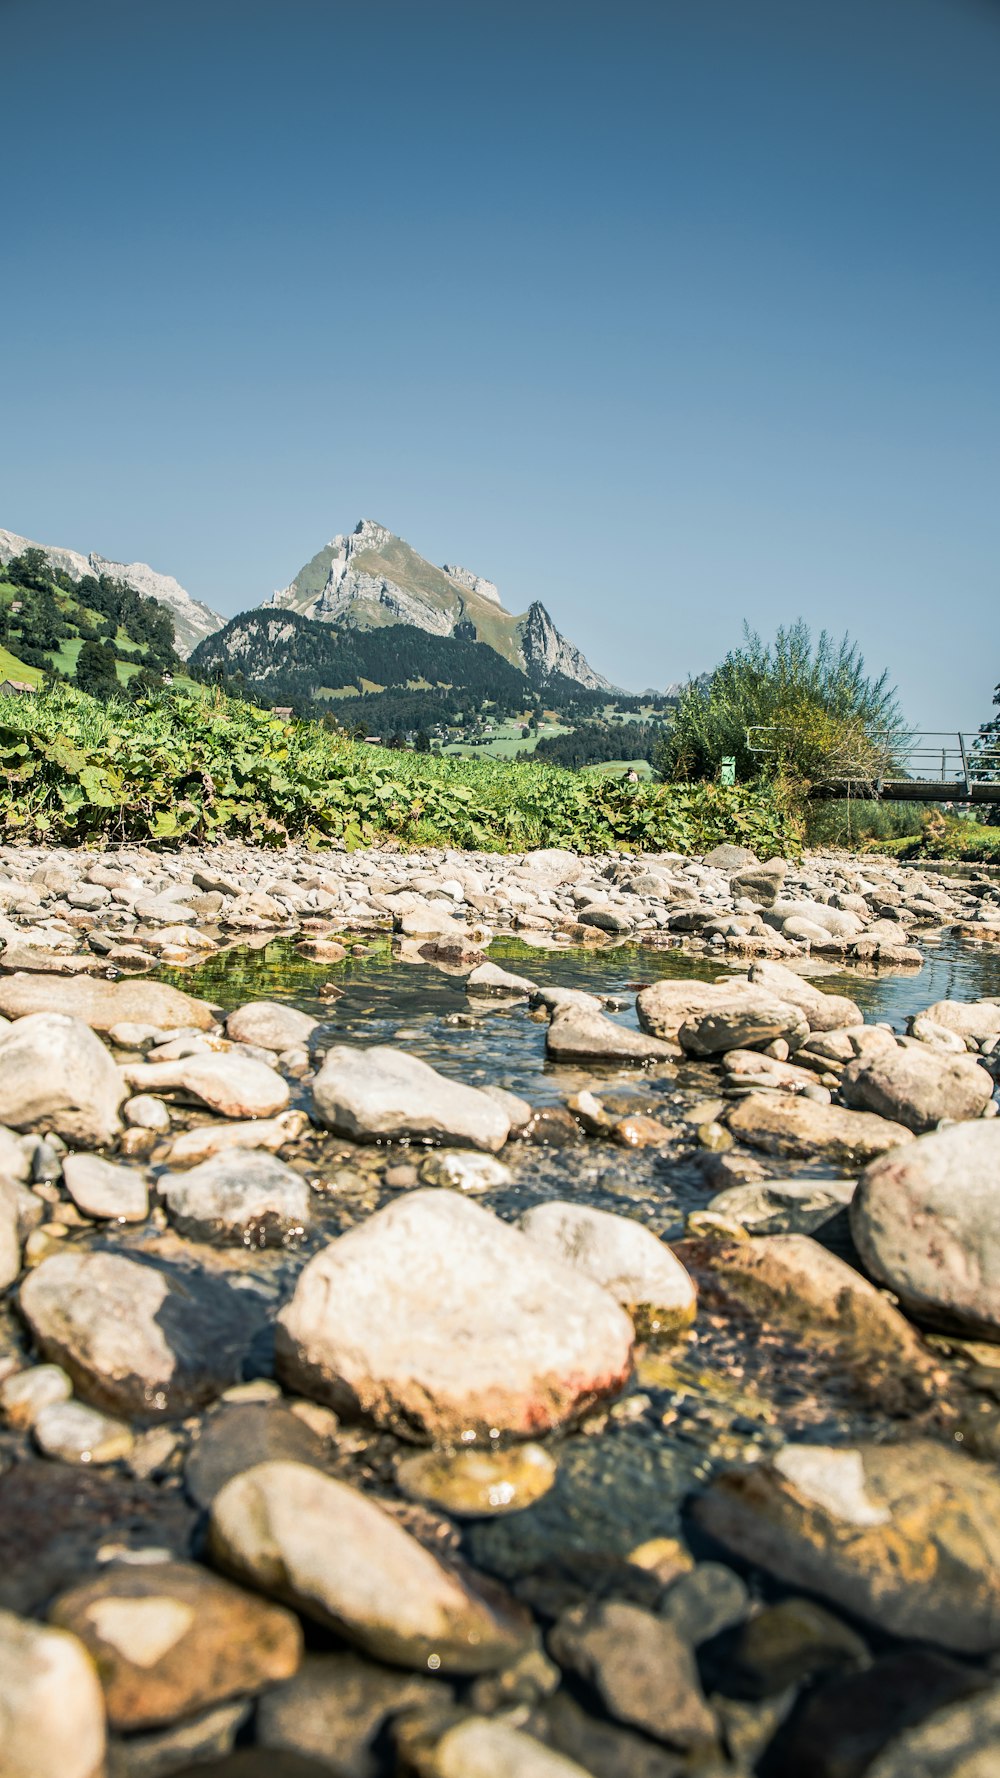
x,y
198,767
356,1407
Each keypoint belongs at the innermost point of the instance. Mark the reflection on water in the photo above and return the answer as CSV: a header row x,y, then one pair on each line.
x,y
383,1000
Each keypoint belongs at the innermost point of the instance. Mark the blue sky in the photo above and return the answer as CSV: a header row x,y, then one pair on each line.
x,y
670,314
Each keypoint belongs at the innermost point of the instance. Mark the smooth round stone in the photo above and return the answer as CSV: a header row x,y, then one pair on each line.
x,y
170,1638
146,1112
74,1433
27,1393
478,1484
104,1190
51,1708
337,1557
467,1172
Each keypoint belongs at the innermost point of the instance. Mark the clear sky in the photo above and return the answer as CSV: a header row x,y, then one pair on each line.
x,y
671,313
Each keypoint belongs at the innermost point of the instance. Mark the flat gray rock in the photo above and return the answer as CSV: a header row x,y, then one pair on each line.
x,y
917,1086
381,1093
578,1035
244,1195
136,1338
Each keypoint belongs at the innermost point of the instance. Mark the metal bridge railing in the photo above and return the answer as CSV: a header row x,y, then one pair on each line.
x,y
937,757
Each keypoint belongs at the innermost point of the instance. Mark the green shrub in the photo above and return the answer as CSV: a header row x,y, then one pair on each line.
x,y
817,713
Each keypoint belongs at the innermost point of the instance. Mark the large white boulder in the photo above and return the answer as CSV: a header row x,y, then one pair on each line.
x,y
440,1320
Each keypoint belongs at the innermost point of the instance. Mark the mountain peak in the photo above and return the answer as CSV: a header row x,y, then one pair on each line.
x,y
370,577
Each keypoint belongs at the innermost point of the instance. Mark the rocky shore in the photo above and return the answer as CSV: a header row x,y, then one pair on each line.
x,y
322,1453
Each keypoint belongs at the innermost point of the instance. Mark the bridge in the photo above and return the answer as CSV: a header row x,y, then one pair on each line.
x,y
928,766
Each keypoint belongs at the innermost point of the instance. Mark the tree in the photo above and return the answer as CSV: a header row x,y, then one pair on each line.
x,y
791,707
30,569
96,672
422,741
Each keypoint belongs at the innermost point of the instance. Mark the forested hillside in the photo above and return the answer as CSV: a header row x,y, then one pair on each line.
x,y
96,631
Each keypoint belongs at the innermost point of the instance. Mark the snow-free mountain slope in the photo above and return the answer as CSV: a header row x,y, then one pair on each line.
x,y
370,577
193,621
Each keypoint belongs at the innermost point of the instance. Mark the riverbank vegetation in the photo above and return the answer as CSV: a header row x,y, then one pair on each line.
x,y
175,766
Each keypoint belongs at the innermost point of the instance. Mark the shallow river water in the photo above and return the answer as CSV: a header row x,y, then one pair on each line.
x,y
731,1386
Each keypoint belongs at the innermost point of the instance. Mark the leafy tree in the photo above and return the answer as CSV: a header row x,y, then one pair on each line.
x,y
95,671
816,713
422,741
30,569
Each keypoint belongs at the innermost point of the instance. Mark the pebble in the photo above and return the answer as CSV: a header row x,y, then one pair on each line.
x,y
104,1190
74,1433
25,1394
478,1484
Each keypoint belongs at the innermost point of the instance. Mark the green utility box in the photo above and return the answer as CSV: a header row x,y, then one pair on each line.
x,y
727,771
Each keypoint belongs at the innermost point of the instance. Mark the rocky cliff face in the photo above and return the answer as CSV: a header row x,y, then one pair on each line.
x,y
473,583
547,652
193,621
370,577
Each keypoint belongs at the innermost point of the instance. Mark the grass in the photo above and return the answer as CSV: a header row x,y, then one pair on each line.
x,y
12,668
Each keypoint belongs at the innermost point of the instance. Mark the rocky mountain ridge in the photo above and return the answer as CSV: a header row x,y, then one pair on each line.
x,y
362,580
193,621
370,577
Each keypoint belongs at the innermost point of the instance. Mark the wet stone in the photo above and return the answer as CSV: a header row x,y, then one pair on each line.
x,y
785,1645
705,1602
887,1719
603,1748
236,1438
478,1484
136,1338
335,1555
55,1518
906,1536
171,1638
337,1706
641,1668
